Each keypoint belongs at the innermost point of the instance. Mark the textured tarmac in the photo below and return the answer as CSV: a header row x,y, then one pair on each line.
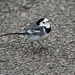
x,y
17,57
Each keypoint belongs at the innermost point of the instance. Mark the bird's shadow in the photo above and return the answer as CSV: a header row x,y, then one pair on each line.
x,y
40,50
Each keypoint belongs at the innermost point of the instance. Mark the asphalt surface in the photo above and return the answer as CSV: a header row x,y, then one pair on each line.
x,y
17,57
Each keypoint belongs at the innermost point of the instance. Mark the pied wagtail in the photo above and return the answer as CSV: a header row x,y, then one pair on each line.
x,y
35,32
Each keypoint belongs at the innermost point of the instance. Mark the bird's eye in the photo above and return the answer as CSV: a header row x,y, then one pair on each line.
x,y
43,22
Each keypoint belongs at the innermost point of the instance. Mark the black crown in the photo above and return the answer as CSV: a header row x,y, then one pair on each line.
x,y
40,20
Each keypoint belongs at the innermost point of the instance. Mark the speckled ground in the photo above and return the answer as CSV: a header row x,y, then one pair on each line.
x,y
58,58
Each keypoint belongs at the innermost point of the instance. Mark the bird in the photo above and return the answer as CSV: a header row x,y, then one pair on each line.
x,y
36,31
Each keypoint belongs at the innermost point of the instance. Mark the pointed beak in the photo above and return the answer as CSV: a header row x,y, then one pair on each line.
x,y
49,20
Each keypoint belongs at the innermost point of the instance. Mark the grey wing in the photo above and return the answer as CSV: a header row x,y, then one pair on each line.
x,y
35,30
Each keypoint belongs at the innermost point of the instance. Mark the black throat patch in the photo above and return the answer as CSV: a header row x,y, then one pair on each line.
x,y
47,29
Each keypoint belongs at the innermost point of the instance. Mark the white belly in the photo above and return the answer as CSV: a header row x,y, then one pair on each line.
x,y
36,38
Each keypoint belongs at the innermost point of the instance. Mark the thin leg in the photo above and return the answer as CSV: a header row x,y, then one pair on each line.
x,y
33,51
32,44
40,44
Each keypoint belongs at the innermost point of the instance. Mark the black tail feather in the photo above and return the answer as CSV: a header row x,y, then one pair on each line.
x,y
12,34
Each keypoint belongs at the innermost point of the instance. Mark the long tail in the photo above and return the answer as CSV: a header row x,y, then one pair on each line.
x,y
13,34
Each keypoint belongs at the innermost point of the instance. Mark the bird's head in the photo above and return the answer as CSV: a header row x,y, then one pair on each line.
x,y
43,22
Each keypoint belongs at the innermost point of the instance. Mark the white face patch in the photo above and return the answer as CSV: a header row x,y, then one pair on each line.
x,y
45,20
45,23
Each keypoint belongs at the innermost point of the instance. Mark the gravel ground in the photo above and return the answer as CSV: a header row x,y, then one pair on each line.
x,y
58,57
